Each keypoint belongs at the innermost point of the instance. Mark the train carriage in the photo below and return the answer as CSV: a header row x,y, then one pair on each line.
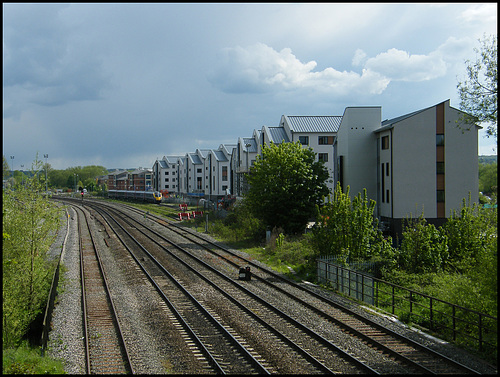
x,y
145,196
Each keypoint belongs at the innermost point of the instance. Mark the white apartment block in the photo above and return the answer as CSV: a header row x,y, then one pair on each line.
x,y
426,165
418,162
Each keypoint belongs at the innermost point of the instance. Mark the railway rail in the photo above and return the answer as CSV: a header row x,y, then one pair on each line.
x,y
420,358
257,307
285,342
105,346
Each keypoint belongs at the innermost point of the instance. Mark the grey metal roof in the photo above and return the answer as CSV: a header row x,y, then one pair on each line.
x,y
195,158
277,135
220,156
253,144
314,123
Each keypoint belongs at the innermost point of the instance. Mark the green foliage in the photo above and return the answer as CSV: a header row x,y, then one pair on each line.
x,y
86,176
24,360
238,226
348,229
423,248
285,185
488,179
478,93
29,224
466,238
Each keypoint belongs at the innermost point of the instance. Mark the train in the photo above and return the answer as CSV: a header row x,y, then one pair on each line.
x,y
145,196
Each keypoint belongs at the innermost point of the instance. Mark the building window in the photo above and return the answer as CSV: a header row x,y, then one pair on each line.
x,y
166,179
440,196
304,140
198,170
325,140
385,142
383,182
440,140
224,173
323,157
439,167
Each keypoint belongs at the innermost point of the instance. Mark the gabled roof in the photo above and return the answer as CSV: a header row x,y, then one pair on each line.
x,y
313,123
253,144
276,135
389,123
172,159
195,158
220,156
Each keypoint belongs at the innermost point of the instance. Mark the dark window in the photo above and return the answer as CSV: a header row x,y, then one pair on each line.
x,y
385,142
439,140
323,157
304,140
383,183
440,196
325,140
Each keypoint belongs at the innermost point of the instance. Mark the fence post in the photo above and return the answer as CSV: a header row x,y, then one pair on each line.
x,y
363,288
431,314
393,299
480,333
454,325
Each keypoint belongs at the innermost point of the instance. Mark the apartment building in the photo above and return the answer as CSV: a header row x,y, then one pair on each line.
x,y
426,164
165,175
243,158
318,133
416,163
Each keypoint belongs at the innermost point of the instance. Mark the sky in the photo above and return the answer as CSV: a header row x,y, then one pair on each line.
x,y
121,85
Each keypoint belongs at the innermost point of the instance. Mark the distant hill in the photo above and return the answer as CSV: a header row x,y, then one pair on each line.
x,y
487,159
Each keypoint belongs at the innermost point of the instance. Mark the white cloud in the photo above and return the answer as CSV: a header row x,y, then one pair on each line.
x,y
260,68
402,66
480,13
359,57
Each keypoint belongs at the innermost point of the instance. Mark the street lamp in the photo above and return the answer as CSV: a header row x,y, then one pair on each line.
x,y
248,145
12,165
46,156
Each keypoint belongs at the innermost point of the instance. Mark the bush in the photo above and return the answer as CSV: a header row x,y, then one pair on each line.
x,y
29,225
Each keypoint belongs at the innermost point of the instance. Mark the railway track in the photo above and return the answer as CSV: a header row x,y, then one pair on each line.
x,y
410,356
105,346
419,358
295,340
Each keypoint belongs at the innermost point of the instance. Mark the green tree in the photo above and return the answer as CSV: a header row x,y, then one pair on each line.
x,y
423,249
29,224
478,92
488,183
468,233
286,183
348,229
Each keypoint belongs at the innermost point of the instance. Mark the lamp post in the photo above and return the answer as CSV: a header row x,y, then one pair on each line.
x,y
12,166
46,156
248,145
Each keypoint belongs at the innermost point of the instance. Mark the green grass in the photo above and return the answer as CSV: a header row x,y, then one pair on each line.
x,y
27,360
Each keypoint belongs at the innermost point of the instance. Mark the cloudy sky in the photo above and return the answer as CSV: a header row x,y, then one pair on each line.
x,y
120,85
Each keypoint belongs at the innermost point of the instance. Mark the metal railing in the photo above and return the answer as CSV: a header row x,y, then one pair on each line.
x,y
452,322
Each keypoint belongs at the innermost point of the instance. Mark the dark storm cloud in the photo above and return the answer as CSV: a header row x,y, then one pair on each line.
x,y
44,61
